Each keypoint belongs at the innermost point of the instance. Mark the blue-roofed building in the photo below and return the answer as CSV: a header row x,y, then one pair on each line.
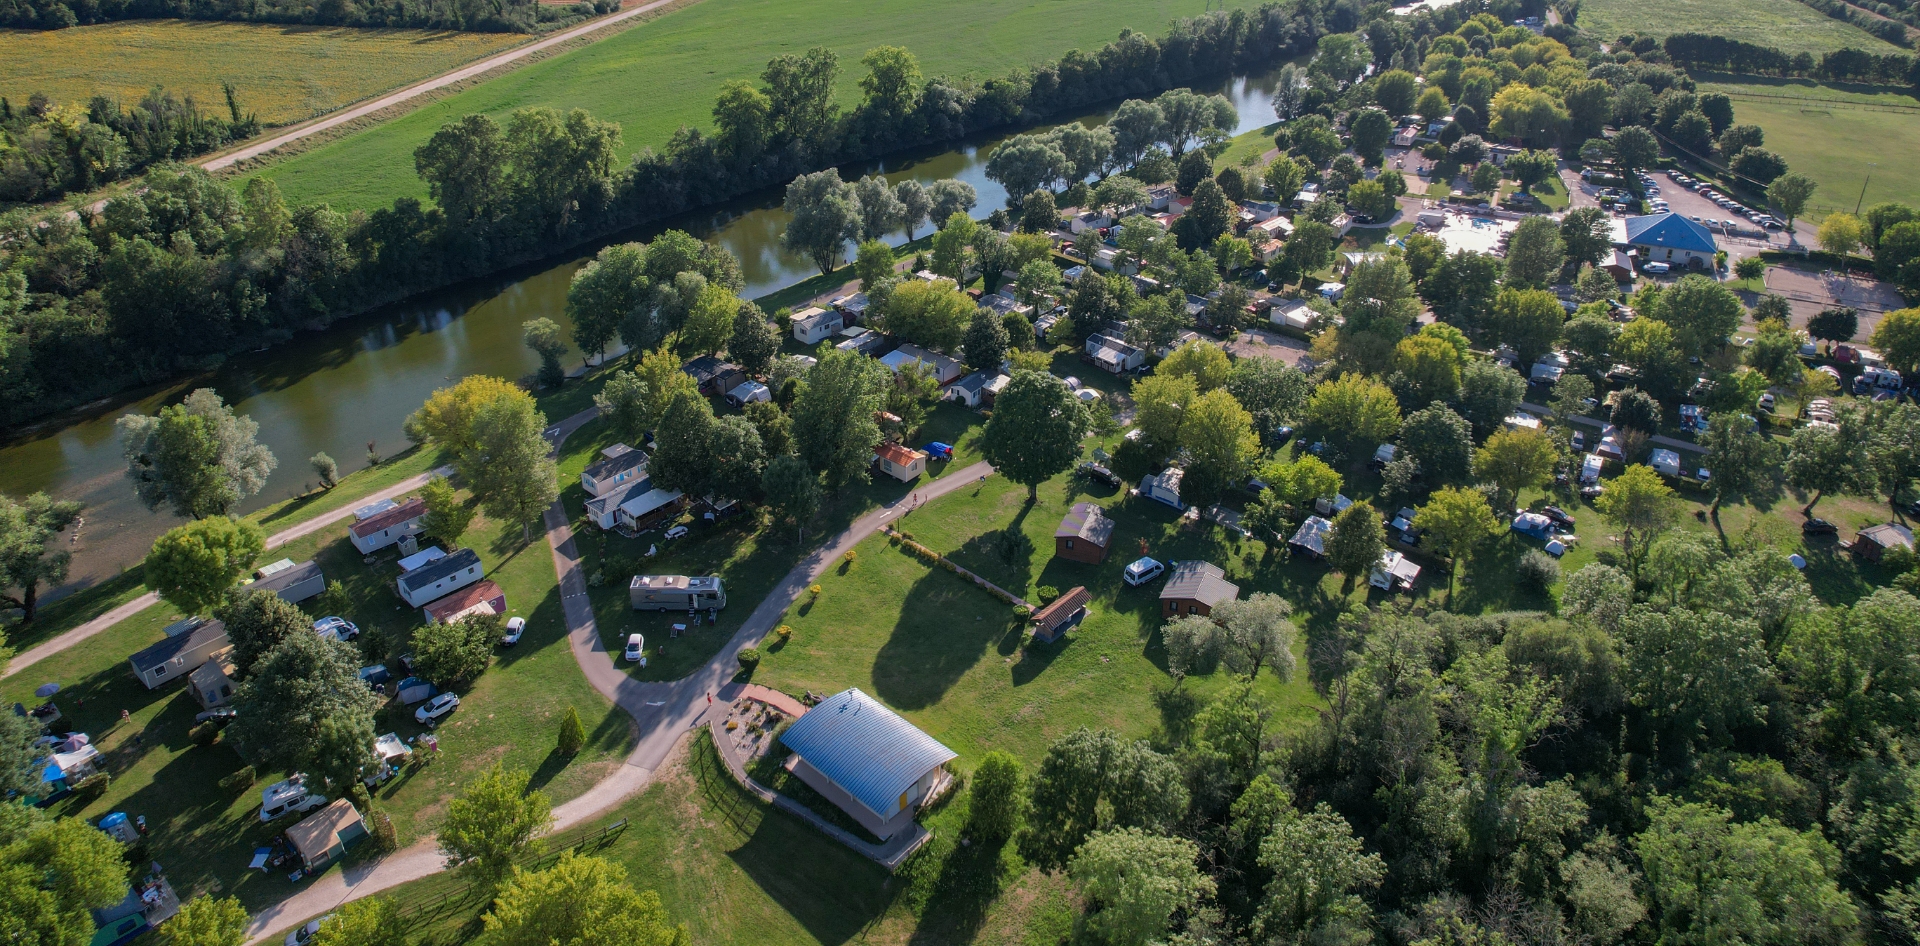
x,y
867,760
1671,238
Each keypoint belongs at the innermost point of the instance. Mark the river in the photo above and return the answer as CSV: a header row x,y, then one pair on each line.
x,y
355,382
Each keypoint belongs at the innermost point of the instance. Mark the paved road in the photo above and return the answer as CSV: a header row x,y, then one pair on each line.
x,y
1660,440
414,91
662,712
49,648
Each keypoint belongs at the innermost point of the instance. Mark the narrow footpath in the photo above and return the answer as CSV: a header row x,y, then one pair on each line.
x,y
662,712
48,648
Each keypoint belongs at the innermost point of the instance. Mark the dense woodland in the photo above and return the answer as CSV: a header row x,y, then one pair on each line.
x,y
49,149
496,16
173,278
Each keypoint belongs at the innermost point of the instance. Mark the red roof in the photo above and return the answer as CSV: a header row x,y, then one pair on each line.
x,y
896,454
405,512
455,602
1062,607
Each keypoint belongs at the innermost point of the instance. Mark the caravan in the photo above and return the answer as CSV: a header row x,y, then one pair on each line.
x,y
676,593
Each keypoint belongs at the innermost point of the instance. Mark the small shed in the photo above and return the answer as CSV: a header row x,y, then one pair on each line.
x,y
189,644
970,390
294,583
867,760
1874,541
384,528
1195,588
483,597
1085,534
1061,615
901,463
854,306
994,386
1114,355
1164,487
322,837
211,683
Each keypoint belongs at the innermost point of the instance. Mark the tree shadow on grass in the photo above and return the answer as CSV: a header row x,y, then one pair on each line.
x,y
550,767
970,879
946,626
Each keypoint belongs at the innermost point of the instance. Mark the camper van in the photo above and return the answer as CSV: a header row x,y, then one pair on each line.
x,y
288,797
676,593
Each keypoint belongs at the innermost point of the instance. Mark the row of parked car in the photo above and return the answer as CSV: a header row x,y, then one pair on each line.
x,y
1706,189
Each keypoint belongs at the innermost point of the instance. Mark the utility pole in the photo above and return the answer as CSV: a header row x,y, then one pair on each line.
x,y
1863,188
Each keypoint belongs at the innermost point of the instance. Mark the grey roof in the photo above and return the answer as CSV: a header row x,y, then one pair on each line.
x,y
630,460
280,581
457,561
603,505
1086,521
1312,535
178,644
975,383
1199,581
1888,535
865,748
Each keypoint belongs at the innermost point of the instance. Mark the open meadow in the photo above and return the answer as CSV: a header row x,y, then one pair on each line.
x,y
1783,24
665,74
1837,136
285,74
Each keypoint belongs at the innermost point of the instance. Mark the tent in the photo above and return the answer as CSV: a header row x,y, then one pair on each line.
x,y
414,689
1533,524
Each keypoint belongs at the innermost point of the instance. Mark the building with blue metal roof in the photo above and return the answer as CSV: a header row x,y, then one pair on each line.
x,y
867,760
1673,239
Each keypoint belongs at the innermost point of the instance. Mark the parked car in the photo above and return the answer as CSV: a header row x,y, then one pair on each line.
x,y
1559,517
1579,440
516,626
335,628
1099,474
1818,527
222,715
676,532
301,934
1658,269
1142,571
432,711
1281,435
1766,401
636,646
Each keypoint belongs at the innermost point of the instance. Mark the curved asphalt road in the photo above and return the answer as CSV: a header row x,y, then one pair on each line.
x,y
414,91
662,711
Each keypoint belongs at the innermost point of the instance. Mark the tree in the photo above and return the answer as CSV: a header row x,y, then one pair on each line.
x,y
1789,194
1530,168
1356,409
791,489
1286,177
1038,279
1257,634
1527,320
950,197
29,532
447,417
742,120
633,402
465,165
1370,128
257,621
510,469
826,214
1302,481
1485,178
1370,198
754,341
1217,435
1635,149
369,921
1441,441
1596,285
1758,164
1039,213
325,468
1535,253
304,708
1035,430
208,921
1586,236
1489,394
1209,217
543,337
1834,325
456,652
1713,880
1842,233
1427,368
931,314
915,204
1136,882
192,566
1642,507
986,340
197,457
1394,91
1432,104
1570,395
709,323
1822,460
1311,246
1516,459
1458,521
1206,364
684,447
1745,462
1319,870
879,210
1703,313
606,293
1026,163
579,900
998,798
1189,117
52,872
1357,542
1289,92
833,426
494,820
1092,780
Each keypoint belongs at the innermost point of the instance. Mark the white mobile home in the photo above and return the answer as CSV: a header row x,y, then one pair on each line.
x,y
622,465
189,644
382,529
814,324
676,593
428,583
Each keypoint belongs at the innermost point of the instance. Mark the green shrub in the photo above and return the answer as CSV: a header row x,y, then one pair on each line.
x,y
205,734
386,839
241,779
362,800
92,787
573,736
1047,593
1537,571
749,658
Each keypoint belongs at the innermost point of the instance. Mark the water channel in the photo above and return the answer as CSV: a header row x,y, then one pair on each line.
x,y
355,382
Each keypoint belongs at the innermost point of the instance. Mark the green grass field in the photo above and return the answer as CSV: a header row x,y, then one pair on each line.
x,y
284,73
665,74
1783,24
1837,136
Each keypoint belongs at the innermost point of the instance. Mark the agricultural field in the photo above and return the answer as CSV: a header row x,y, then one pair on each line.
x,y
1783,24
665,74
285,74
1836,136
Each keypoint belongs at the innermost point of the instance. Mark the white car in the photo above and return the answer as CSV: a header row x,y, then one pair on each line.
x,y
676,532
1087,395
636,649
1658,269
516,626
301,934
1142,571
432,711
335,628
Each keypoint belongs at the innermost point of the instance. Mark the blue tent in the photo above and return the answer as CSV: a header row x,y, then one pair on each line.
x,y
414,689
375,675
940,451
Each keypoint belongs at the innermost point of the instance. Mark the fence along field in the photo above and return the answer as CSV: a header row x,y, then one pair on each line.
x,y
666,74
1836,137
1782,24
285,74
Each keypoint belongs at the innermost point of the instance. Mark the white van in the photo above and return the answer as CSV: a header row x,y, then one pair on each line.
x,y
288,797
